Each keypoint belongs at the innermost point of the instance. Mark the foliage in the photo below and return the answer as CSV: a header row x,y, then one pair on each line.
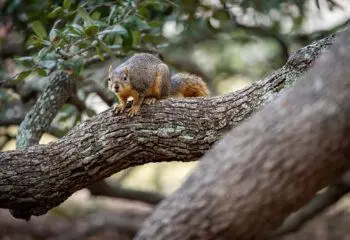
x,y
72,33
66,34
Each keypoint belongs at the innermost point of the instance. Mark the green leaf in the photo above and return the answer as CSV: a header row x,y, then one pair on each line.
x,y
136,23
99,54
105,48
41,72
77,29
155,24
96,15
22,75
67,4
136,36
45,42
31,40
143,11
100,24
111,14
74,49
42,53
51,56
94,43
91,30
25,61
49,64
54,13
117,29
221,15
85,15
39,29
154,39
53,34
127,41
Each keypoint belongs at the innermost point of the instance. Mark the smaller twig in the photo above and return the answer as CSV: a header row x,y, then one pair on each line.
x,y
127,223
102,188
108,98
340,4
80,105
318,204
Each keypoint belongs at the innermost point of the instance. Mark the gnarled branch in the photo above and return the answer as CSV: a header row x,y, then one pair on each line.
x,y
270,165
319,203
38,119
38,178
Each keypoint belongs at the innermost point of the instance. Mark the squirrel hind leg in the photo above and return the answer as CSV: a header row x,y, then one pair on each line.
x,y
150,100
163,74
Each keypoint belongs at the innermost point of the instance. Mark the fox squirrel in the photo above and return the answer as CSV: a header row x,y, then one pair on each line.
x,y
145,78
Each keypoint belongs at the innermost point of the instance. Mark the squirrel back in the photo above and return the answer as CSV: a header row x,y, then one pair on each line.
x,y
142,70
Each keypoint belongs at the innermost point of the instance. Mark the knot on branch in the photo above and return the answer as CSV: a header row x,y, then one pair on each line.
x,y
306,56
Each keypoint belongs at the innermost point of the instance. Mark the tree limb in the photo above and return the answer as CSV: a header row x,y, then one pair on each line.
x,y
270,165
127,222
104,189
319,203
36,179
38,119
81,227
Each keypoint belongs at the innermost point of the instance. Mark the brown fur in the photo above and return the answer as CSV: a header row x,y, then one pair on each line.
x,y
128,91
193,89
145,78
188,85
154,90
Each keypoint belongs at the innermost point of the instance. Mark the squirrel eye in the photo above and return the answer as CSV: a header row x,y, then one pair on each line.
x,y
125,78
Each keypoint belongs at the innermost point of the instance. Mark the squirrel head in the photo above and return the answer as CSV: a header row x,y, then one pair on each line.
x,y
118,79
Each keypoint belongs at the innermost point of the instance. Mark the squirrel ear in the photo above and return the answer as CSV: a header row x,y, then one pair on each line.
x,y
126,71
110,70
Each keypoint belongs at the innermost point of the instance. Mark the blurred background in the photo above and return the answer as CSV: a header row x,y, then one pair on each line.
x,y
230,44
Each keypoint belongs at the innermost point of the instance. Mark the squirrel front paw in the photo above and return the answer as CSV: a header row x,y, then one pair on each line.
x,y
134,110
119,108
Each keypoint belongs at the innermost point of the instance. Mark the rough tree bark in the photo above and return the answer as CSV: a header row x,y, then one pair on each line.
x,y
35,179
73,228
38,119
59,88
270,165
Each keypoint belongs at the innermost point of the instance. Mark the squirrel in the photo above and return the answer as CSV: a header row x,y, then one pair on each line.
x,y
145,78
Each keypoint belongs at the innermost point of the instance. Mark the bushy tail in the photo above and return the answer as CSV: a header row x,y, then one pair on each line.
x,y
188,85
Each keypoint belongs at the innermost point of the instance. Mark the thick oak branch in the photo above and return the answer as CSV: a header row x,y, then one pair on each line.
x,y
38,178
270,165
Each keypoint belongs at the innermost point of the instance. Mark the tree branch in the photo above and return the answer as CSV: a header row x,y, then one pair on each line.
x,y
128,223
104,189
81,227
36,179
246,185
319,203
38,119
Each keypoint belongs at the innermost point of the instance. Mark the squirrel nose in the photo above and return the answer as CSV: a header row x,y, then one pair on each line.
x,y
116,88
